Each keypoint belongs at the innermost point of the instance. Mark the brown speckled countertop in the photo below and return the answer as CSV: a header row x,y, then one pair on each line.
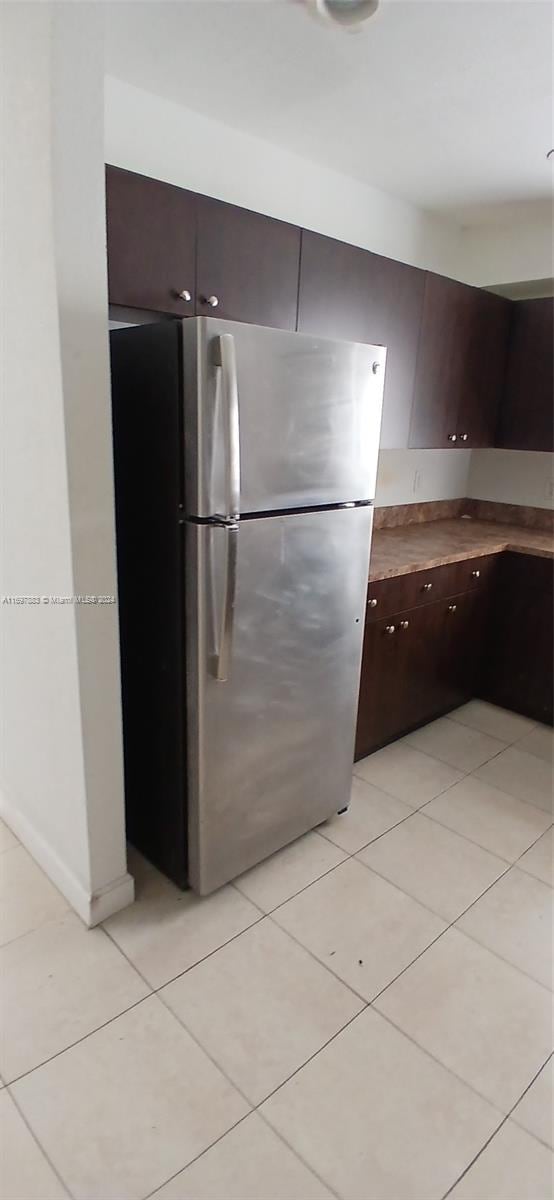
x,y
409,548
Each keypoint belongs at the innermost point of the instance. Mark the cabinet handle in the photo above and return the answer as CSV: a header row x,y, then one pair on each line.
x,y
464,437
427,587
185,295
452,607
452,437
404,624
213,301
376,367
390,628
372,603
475,574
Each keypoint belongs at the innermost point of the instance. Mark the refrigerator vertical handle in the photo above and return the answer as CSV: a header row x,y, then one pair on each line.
x,y
225,358
225,640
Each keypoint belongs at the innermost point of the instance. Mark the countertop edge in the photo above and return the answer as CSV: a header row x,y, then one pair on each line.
x,y
424,564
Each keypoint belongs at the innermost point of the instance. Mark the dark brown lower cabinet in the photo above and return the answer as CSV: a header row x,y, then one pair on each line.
x,y
516,670
419,664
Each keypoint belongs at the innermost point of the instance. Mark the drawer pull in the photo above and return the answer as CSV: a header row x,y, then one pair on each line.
x,y
427,587
452,607
464,437
372,603
452,437
475,574
404,624
390,628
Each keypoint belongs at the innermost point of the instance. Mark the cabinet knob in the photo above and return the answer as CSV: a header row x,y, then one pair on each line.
x,y
213,301
427,587
404,624
390,628
475,574
185,295
452,607
464,437
452,437
372,603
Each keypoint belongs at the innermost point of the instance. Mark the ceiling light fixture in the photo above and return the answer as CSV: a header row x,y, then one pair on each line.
x,y
348,14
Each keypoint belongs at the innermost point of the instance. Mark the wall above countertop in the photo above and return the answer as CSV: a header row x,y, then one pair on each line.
x,y
512,477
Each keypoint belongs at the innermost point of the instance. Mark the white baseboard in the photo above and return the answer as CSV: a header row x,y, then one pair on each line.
x,y
91,907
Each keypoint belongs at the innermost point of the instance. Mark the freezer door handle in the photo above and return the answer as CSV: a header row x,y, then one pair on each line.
x,y
222,656
226,360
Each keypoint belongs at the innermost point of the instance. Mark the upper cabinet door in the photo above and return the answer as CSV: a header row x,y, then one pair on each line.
x,y
247,265
485,369
526,416
151,228
443,365
346,292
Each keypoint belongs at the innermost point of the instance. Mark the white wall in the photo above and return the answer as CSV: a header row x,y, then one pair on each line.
x,y
512,477
154,136
412,476
61,758
508,250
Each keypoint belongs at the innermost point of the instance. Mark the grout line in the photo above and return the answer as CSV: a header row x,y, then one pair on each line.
x,y
197,1156
267,911
364,1002
493,1135
42,1150
44,1062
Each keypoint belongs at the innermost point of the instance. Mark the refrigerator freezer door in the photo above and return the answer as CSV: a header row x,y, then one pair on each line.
x,y
270,747
306,412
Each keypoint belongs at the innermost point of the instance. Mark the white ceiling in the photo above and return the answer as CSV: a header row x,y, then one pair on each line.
x,y
445,103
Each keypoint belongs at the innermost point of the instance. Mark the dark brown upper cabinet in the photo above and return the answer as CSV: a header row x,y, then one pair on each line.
x,y
247,265
527,413
460,367
485,374
151,231
347,292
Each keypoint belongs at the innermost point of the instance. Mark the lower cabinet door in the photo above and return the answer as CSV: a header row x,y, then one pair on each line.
x,y
379,717
517,668
460,647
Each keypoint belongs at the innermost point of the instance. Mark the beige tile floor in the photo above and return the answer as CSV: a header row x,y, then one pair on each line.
x,y
367,1015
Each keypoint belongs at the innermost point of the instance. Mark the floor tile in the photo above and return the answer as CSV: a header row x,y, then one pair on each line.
x,y
496,722
476,1014
249,1163
27,898
433,865
125,1109
7,838
512,1167
25,1173
166,931
522,775
489,817
360,926
261,1006
370,814
406,773
288,871
514,920
376,1117
455,744
535,1111
58,984
539,742
539,860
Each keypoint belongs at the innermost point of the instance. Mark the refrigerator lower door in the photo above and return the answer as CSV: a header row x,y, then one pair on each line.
x,y
270,741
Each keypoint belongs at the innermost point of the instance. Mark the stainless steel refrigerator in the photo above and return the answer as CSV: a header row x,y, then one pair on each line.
x,y
245,467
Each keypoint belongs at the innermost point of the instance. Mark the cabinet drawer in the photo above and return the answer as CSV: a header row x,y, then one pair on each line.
x,y
474,573
386,596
